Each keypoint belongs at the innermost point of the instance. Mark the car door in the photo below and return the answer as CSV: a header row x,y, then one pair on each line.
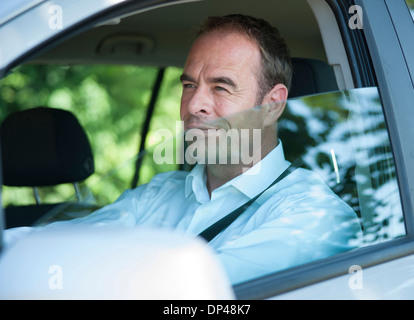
x,y
381,49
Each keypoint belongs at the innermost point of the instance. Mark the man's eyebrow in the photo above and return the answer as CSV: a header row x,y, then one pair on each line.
x,y
186,77
223,80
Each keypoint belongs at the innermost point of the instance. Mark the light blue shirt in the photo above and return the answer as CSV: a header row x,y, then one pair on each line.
x,y
296,221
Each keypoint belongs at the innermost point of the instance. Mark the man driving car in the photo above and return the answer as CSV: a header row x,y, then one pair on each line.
x,y
262,216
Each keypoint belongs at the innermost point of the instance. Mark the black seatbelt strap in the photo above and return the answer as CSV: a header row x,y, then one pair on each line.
x,y
211,232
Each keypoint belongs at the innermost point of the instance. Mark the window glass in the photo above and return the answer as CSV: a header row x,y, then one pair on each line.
x,y
410,4
340,195
336,141
345,141
110,103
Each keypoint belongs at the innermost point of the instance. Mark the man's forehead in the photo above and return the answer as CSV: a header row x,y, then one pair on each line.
x,y
226,43
212,68
222,55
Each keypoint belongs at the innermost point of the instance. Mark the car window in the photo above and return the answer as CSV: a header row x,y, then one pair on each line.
x,y
341,195
111,104
410,4
340,137
348,146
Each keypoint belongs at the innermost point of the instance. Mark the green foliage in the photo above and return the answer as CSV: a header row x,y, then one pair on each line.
x,y
110,102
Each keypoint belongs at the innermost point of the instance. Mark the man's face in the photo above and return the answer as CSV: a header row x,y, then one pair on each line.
x,y
220,85
219,80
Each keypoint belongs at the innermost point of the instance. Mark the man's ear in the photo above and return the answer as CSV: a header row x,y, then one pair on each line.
x,y
274,103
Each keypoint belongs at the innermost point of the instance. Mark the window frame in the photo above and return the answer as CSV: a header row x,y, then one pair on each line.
x,y
387,48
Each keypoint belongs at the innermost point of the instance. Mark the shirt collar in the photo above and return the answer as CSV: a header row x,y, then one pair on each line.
x,y
250,183
262,174
196,181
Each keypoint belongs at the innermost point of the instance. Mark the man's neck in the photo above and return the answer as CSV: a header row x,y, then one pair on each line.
x,y
219,174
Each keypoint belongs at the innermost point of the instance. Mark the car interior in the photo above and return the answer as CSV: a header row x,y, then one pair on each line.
x,y
161,37
43,147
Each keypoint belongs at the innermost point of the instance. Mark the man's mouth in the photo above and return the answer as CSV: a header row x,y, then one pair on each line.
x,y
198,127
205,125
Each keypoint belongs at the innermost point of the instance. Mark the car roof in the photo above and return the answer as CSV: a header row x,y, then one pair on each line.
x,y
10,9
163,36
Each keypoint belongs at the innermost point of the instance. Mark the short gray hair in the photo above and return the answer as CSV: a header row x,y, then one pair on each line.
x,y
276,60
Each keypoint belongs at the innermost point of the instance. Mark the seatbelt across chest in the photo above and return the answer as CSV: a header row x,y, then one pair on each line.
x,y
211,232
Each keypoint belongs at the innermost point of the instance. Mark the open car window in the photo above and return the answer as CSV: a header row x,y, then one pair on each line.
x,y
336,141
111,104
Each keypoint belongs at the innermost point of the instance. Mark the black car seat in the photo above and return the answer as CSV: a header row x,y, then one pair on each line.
x,y
311,76
42,147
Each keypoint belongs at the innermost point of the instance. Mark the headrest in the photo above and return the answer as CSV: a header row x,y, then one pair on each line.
x,y
311,76
44,146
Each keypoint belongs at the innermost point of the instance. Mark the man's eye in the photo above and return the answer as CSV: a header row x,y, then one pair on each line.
x,y
188,85
218,88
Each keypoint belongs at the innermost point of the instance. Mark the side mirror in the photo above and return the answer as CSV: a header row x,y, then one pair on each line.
x,y
89,262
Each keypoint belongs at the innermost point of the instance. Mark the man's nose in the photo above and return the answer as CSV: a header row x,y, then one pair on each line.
x,y
200,103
